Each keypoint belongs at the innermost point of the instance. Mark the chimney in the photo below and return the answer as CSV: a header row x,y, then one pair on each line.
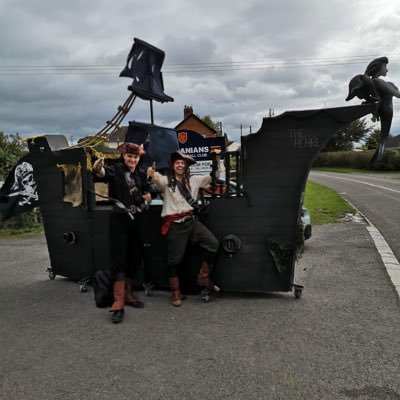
x,y
187,111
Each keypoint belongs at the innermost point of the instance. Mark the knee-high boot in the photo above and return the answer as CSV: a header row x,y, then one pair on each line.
x,y
203,277
175,291
118,306
130,298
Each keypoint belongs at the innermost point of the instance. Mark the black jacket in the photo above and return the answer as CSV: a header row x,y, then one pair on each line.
x,y
119,188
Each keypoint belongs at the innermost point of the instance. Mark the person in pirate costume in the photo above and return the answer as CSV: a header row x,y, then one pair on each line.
x,y
180,191
129,185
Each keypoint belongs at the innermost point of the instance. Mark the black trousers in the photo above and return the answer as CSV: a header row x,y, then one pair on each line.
x,y
126,246
178,237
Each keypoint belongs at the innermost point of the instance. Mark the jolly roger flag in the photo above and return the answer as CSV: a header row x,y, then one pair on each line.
x,y
19,192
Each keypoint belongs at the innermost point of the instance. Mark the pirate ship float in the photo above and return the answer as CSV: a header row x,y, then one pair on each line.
x,y
256,218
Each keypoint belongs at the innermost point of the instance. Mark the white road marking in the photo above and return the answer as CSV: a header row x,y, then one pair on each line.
x,y
356,181
388,258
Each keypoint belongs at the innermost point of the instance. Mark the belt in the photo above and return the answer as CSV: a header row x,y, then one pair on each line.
x,y
167,221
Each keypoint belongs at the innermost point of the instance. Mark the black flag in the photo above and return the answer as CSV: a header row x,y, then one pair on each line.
x,y
19,192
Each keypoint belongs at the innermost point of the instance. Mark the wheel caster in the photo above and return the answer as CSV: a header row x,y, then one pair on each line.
x,y
205,295
52,275
83,284
298,292
148,289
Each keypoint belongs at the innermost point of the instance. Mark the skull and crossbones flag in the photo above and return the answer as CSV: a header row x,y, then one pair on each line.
x,y
19,192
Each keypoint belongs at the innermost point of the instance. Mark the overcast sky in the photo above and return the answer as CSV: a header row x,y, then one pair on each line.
x,y
245,57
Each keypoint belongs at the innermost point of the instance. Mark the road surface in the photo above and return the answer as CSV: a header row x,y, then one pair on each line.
x,y
341,340
377,196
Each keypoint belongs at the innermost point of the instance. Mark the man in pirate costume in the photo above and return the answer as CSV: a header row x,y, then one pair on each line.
x,y
180,191
129,185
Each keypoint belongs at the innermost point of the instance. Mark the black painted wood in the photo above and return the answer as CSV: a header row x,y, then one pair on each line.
x,y
275,163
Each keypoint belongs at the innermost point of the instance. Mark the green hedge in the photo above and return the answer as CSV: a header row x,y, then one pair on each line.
x,y
25,222
359,160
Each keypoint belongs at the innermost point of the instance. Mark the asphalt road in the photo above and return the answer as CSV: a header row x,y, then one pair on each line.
x,y
377,196
341,340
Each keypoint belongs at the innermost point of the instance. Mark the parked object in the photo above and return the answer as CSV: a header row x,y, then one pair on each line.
x,y
256,218
306,220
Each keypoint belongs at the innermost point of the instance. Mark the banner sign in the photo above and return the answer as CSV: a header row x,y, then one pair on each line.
x,y
200,148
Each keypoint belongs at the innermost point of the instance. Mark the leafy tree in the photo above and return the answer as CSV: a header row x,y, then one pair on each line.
x,y
372,141
84,138
346,136
215,125
11,150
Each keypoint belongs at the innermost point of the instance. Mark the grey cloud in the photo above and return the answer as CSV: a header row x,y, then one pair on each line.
x,y
100,32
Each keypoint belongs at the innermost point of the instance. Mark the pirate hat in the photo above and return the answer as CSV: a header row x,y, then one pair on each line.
x,y
177,155
131,148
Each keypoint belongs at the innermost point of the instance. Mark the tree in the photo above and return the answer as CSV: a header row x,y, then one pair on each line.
x,y
215,125
372,141
84,138
346,136
11,150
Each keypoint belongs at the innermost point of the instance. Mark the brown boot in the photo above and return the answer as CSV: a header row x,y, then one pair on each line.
x,y
118,306
175,292
203,278
130,298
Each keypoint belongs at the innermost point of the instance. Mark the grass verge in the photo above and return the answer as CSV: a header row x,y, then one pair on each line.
x,y
325,205
29,231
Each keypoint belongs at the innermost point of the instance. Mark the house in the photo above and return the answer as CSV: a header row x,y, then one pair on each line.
x,y
117,137
191,122
233,146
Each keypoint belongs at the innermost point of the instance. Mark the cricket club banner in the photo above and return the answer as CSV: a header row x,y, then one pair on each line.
x,y
200,148
19,192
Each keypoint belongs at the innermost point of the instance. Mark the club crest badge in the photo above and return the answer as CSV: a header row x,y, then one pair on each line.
x,y
182,137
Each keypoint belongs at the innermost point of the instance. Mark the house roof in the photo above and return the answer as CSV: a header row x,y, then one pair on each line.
x,y
190,116
393,142
233,146
118,135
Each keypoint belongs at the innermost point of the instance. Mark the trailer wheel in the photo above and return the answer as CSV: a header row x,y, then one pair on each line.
x,y
83,288
148,289
298,292
205,295
52,275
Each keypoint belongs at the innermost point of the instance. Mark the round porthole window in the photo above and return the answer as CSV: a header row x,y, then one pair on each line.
x,y
231,244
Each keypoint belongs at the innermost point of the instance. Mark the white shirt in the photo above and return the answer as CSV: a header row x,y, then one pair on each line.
x,y
174,202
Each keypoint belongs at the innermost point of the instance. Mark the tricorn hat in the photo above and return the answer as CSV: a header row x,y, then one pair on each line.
x,y
177,155
131,148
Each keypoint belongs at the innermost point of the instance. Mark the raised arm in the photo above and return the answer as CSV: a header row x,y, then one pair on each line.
x,y
160,181
386,87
